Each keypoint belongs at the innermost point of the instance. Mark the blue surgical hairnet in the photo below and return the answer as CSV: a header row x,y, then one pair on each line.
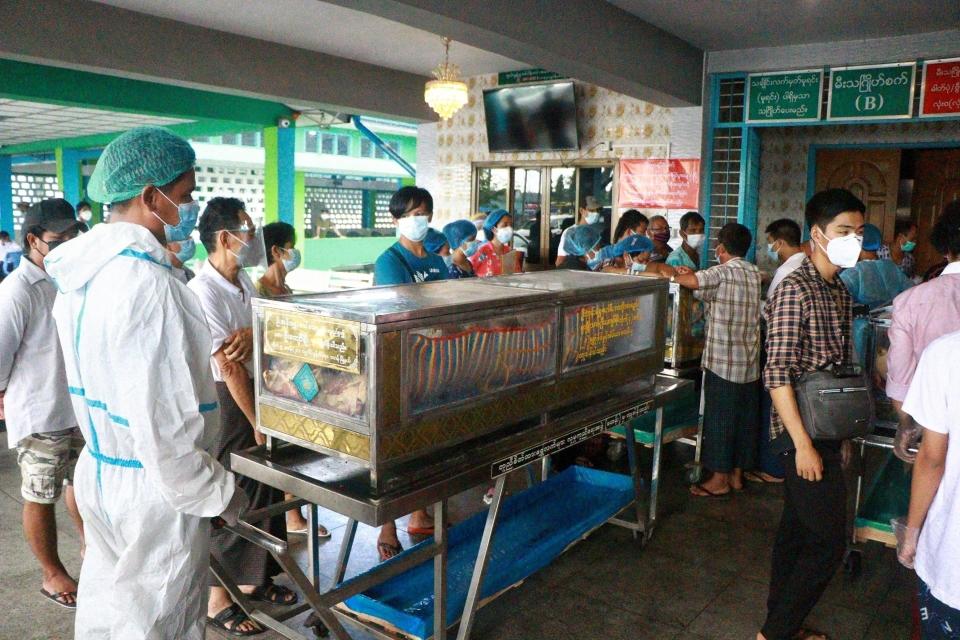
x,y
872,237
458,232
494,218
434,240
581,239
139,157
633,245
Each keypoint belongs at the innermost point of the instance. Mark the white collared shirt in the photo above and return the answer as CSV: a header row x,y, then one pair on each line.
x,y
934,403
788,267
226,306
36,399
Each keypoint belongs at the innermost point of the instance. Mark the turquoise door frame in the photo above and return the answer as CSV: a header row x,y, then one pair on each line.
x,y
748,199
6,194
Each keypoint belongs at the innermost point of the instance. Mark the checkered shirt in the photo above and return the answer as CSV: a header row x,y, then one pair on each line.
x,y
809,325
732,293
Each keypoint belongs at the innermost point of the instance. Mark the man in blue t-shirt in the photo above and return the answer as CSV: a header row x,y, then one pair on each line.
x,y
407,261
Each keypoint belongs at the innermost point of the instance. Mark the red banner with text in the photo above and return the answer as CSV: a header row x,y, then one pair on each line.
x,y
941,88
659,184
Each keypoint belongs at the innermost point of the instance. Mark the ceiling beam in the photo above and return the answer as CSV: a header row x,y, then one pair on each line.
x,y
591,40
86,35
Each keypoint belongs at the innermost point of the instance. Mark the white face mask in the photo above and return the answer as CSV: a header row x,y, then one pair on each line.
x,y
844,251
413,228
695,240
505,235
592,217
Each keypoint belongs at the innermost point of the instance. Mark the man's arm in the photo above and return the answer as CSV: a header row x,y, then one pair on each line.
x,y
240,386
13,322
927,475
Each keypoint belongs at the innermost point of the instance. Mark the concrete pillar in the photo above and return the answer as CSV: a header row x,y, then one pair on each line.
x,y
6,195
279,174
69,175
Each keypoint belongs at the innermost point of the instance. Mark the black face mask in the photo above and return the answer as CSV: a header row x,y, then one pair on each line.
x,y
53,244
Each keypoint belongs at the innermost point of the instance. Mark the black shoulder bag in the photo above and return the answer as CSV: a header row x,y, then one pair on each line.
x,y
836,403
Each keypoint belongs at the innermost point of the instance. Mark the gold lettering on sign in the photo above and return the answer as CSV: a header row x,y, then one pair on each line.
x,y
334,344
600,324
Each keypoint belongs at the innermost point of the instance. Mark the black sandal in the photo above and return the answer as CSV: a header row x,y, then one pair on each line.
x,y
275,594
234,614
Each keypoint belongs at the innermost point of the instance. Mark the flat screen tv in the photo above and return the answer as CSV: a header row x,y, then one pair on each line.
x,y
533,117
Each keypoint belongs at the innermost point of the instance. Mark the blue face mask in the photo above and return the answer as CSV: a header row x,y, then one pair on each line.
x,y
447,260
293,261
592,217
188,212
188,248
773,254
638,267
471,248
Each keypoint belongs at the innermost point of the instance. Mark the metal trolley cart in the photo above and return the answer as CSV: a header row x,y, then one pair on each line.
x,y
889,491
384,400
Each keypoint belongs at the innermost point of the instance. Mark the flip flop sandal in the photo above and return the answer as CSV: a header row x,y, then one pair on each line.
x,y
709,494
61,598
753,476
387,550
234,617
322,532
275,594
423,531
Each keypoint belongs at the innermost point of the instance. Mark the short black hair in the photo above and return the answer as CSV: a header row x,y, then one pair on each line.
x,y
409,198
945,235
824,206
785,229
4,234
735,238
630,219
35,230
277,234
691,217
219,215
902,227
82,204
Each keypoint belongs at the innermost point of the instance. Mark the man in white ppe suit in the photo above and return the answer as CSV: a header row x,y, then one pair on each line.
x,y
136,349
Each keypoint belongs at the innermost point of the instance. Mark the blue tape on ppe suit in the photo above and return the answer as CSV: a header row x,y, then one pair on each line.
x,y
535,527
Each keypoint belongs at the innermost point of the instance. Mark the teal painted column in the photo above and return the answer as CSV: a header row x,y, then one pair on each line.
x,y
69,174
369,214
279,180
6,194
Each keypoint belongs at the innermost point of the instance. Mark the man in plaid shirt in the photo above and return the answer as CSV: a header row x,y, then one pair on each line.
x,y
731,361
809,327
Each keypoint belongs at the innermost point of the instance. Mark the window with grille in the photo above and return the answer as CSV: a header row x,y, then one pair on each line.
x,y
366,148
250,139
231,138
393,145
311,143
724,182
343,145
213,182
327,143
731,100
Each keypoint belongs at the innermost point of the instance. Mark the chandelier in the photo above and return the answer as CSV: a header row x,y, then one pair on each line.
x,y
447,94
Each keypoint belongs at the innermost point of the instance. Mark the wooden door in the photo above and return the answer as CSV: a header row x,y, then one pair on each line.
x,y
936,183
873,175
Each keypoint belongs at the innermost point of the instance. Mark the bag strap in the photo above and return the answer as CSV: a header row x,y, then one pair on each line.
x,y
406,265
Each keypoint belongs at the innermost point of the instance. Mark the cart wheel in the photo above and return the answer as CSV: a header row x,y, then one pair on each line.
x,y
694,474
853,563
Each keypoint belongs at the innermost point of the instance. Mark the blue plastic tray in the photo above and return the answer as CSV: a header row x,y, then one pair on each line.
x,y
535,527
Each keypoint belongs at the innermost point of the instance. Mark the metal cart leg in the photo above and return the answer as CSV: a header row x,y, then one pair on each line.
x,y
346,547
633,459
545,469
480,568
440,571
313,544
655,476
861,470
